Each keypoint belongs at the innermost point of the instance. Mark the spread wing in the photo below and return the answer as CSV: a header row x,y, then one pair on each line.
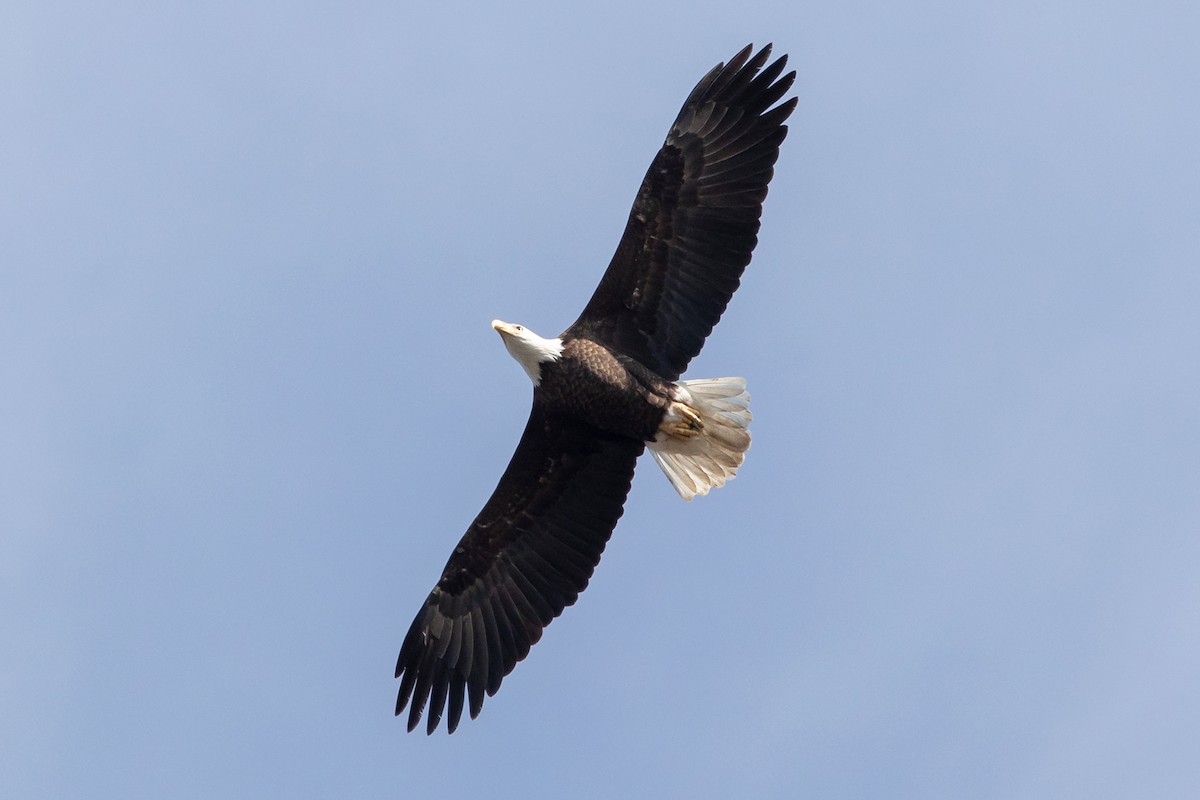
x,y
526,557
695,221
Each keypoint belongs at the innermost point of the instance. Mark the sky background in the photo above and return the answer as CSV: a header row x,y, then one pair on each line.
x,y
250,399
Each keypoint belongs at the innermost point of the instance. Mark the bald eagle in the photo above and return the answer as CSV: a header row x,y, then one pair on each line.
x,y
606,389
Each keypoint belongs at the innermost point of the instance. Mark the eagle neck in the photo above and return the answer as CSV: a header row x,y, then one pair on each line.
x,y
532,351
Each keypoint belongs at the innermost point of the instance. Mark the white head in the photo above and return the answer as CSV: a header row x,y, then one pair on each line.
x,y
529,349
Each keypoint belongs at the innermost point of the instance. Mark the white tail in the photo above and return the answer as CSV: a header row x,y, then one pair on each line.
x,y
704,437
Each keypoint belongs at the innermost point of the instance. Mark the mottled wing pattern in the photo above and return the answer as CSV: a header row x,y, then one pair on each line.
x,y
526,557
695,221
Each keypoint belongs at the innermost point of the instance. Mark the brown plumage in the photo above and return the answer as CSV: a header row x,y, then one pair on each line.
x,y
604,390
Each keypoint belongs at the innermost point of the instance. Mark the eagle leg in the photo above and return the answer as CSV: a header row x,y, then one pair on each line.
x,y
681,422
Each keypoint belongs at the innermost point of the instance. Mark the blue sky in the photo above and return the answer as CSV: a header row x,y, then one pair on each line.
x,y
249,254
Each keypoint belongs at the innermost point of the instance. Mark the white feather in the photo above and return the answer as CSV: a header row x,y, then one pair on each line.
x,y
697,463
529,349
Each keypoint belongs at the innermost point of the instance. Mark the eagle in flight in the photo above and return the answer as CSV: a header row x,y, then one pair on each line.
x,y
607,388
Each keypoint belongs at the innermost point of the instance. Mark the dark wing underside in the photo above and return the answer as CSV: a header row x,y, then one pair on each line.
x,y
526,557
695,221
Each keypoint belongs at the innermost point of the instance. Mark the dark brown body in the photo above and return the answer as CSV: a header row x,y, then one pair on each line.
x,y
605,389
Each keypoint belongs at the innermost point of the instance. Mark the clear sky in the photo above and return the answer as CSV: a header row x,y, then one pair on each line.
x,y
249,253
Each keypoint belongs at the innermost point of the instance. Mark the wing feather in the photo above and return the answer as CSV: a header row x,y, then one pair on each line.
x,y
477,677
458,685
695,220
525,558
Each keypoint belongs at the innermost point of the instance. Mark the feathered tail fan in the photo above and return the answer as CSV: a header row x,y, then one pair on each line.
x,y
704,459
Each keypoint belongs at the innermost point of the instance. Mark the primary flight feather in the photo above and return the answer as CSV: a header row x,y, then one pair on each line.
x,y
606,389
